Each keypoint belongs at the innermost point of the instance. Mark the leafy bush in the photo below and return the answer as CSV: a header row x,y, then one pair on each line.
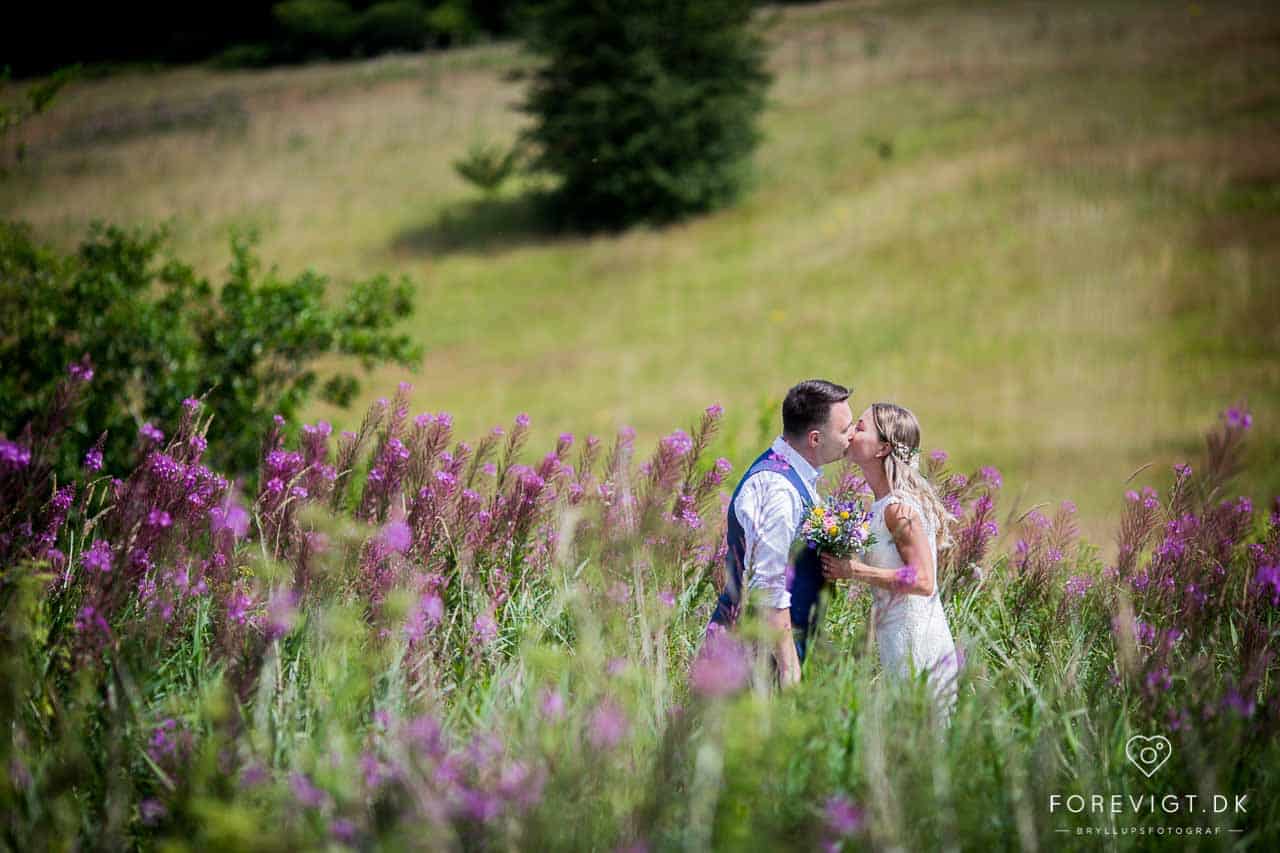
x,y
393,25
487,166
37,99
317,27
153,333
337,29
646,110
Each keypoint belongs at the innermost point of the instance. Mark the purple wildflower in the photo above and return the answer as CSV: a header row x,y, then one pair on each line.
x,y
396,536
98,557
906,576
282,612
14,456
238,605
1238,418
843,818
551,705
608,725
306,793
231,517
1078,585
1267,581
81,371
1240,704
722,667
151,811
343,830
484,629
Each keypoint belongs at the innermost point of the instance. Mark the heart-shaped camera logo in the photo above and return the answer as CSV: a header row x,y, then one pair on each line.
x,y
1148,754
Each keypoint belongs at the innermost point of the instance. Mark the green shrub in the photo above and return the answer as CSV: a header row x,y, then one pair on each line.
x,y
317,27
487,166
644,110
156,333
393,25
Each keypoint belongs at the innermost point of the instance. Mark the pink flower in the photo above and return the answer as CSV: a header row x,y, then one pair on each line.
x,y
81,371
238,605
485,629
282,613
230,517
906,576
98,557
397,536
722,667
551,705
151,811
608,725
13,455
843,818
306,793
620,593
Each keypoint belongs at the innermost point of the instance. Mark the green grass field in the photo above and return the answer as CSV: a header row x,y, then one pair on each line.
x,y
1052,230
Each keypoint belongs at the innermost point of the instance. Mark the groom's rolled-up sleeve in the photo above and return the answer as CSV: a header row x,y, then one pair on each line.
x,y
769,511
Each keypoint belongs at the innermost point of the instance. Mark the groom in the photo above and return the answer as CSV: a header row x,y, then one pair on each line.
x,y
766,511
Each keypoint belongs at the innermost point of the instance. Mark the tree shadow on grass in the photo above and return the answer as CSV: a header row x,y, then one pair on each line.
x,y
496,224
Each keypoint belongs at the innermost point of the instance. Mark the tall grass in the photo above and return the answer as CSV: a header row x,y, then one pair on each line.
x,y
405,641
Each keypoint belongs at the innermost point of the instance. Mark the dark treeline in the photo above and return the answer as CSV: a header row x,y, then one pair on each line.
x,y
243,33
240,32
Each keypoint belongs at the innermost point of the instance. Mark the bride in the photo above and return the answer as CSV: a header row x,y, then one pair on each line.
x,y
906,518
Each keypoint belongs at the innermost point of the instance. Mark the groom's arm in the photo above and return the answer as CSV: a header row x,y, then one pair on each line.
x,y
784,652
769,511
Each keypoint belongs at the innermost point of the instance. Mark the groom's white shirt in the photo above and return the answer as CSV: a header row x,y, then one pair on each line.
x,y
770,513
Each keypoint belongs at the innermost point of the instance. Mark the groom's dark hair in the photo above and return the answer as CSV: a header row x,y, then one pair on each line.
x,y
808,405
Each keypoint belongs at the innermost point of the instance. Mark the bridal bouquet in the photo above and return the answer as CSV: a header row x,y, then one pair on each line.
x,y
842,528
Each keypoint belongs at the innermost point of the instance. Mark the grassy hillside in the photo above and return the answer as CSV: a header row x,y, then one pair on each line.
x,y
1053,230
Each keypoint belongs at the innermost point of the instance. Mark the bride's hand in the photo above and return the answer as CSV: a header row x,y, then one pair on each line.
x,y
836,568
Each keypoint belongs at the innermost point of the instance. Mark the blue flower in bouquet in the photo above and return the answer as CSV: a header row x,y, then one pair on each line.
x,y
842,528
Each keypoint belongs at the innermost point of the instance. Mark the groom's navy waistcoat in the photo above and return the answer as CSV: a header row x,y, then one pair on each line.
x,y
807,582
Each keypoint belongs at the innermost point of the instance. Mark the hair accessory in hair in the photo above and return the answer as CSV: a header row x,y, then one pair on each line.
x,y
904,454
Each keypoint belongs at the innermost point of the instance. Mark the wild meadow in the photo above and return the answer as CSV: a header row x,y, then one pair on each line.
x,y
401,640
1049,229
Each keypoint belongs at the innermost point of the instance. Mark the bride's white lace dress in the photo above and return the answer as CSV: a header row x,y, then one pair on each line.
x,y
911,630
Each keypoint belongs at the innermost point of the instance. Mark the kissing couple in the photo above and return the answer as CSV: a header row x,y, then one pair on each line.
x,y
785,583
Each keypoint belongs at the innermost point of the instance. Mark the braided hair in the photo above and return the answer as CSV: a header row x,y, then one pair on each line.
x,y
899,428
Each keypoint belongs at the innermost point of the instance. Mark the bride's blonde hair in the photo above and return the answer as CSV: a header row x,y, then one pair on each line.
x,y
899,427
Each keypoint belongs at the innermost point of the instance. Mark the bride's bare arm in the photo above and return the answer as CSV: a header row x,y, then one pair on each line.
x,y
913,546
